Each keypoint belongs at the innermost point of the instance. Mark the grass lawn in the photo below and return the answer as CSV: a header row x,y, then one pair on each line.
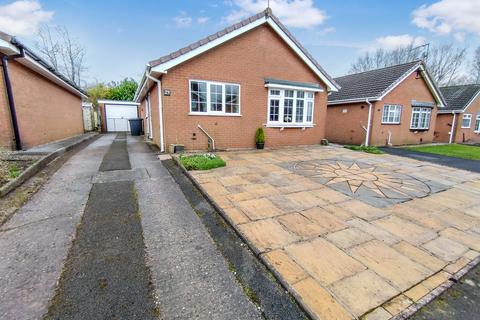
x,y
202,161
452,150
370,149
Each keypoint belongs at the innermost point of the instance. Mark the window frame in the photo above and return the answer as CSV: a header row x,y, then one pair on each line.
x,y
399,106
281,109
422,111
476,128
209,111
469,116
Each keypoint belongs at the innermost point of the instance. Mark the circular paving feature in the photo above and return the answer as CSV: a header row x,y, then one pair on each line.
x,y
362,180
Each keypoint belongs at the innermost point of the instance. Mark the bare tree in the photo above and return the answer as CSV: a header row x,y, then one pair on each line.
x,y
444,62
62,51
476,66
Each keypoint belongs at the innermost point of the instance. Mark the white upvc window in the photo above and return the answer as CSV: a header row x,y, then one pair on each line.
x,y
214,98
420,118
477,124
391,114
466,121
290,107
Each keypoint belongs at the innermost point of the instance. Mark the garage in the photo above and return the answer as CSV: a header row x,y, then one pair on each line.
x,y
115,115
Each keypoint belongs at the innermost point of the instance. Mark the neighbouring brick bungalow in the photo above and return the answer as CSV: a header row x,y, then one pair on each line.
x,y
45,105
461,115
249,75
399,102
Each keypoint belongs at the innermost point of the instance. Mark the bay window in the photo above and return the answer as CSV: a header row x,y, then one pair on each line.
x,y
214,98
420,118
477,124
391,114
466,121
290,107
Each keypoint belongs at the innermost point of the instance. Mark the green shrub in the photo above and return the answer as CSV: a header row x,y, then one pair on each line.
x,y
260,136
205,161
14,171
369,149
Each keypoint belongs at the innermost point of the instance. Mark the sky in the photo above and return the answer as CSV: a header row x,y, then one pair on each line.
x,y
121,36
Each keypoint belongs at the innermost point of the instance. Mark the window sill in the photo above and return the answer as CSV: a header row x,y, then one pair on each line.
x,y
391,123
288,126
213,114
464,127
424,129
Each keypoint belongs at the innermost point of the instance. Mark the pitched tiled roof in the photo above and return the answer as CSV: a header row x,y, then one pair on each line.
x,y
459,97
219,34
370,84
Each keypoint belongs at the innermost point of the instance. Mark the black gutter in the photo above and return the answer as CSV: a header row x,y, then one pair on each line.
x,y
11,101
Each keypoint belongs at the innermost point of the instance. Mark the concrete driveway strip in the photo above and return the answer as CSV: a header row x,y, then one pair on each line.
x,y
35,242
191,277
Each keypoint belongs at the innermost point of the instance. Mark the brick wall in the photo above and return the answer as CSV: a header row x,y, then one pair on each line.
x,y
468,134
245,60
345,123
412,88
45,111
443,127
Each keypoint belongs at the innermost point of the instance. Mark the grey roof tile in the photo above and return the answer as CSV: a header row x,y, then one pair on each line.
x,y
370,84
458,97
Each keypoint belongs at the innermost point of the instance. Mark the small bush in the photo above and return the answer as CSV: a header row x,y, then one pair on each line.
x,y
369,149
205,161
260,136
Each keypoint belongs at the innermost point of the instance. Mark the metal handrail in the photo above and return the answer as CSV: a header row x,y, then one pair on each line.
x,y
209,136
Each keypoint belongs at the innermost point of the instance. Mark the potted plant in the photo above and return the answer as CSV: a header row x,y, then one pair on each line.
x,y
260,138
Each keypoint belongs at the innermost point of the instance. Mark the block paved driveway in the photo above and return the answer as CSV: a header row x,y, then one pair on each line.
x,y
348,233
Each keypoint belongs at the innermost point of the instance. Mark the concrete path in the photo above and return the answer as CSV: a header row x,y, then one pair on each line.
x,y
35,242
464,164
191,277
171,271
55,145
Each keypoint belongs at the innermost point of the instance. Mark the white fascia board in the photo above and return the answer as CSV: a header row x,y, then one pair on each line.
x,y
471,101
285,86
395,84
425,76
432,87
118,102
449,111
35,66
347,101
8,48
302,55
162,68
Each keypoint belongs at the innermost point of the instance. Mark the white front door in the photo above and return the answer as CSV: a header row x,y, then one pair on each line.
x,y
117,117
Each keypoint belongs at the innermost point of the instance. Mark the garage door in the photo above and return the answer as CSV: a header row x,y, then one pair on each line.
x,y
117,117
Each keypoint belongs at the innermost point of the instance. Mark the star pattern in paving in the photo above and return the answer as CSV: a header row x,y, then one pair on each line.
x,y
362,180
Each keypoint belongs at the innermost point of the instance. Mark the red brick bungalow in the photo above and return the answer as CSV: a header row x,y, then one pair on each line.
x,y
461,116
37,104
396,105
249,75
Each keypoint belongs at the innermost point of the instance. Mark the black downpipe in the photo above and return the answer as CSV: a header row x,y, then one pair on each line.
x,y
11,101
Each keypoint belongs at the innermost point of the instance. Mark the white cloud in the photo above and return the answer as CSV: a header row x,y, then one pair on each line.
x,y
444,17
202,20
183,20
393,42
23,18
293,13
326,31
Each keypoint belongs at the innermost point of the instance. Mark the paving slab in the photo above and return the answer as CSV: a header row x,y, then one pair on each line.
x,y
336,213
